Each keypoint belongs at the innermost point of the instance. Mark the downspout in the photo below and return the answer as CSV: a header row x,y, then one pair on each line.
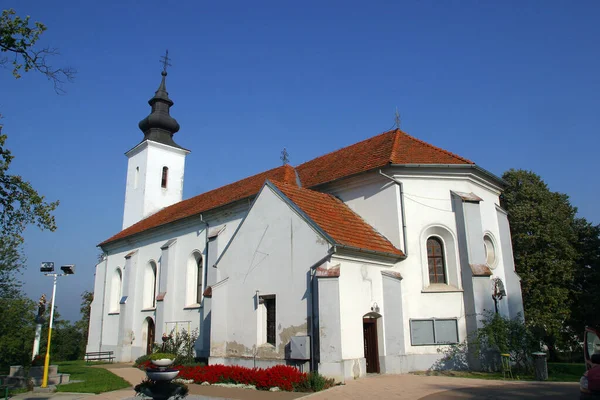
x,y
103,299
205,280
205,269
405,250
313,270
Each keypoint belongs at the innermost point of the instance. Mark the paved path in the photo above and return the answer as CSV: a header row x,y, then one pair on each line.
x,y
371,388
440,387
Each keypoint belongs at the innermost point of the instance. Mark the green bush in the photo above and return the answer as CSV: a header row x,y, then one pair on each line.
x,y
160,356
141,360
498,335
314,382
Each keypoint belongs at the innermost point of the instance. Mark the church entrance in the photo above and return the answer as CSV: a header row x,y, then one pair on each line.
x,y
371,345
150,336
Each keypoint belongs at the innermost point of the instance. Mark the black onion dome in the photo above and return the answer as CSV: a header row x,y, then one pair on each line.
x,y
159,126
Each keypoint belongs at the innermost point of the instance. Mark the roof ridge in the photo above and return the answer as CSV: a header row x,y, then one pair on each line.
x,y
344,147
438,148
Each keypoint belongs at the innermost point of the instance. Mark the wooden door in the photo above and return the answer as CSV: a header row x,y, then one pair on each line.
x,y
371,348
150,341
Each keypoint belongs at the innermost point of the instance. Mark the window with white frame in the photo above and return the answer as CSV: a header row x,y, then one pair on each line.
x,y
435,260
115,290
195,279
433,331
490,251
267,315
439,255
149,293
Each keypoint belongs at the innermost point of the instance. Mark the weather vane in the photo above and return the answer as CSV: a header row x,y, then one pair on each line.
x,y
284,157
165,61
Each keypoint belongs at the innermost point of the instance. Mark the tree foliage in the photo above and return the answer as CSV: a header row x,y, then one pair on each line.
x,y
586,283
18,39
543,238
20,205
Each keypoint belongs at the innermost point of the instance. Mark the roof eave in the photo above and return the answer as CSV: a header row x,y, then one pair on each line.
x,y
496,179
381,254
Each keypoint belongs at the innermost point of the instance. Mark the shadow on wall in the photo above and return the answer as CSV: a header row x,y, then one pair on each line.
x,y
456,358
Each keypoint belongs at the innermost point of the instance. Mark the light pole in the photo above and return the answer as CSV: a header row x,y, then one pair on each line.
x,y
48,269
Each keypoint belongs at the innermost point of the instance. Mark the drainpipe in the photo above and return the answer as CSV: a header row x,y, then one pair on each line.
x,y
205,280
103,300
401,210
313,270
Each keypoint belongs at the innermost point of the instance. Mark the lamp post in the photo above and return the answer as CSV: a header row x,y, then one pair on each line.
x,y
48,269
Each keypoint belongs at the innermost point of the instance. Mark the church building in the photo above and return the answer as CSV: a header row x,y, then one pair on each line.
x,y
367,259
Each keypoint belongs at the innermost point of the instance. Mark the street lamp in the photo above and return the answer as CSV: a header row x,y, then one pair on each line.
x,y
48,269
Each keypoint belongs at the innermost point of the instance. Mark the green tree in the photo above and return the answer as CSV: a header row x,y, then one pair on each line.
x,y
17,322
543,238
586,284
18,39
20,204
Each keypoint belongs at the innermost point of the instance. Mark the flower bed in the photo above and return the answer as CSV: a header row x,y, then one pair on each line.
x,y
284,377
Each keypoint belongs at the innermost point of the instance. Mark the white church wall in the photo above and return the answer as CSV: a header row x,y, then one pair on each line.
x,y
270,255
176,311
428,211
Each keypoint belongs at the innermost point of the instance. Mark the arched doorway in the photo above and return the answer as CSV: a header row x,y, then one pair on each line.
x,y
149,328
371,342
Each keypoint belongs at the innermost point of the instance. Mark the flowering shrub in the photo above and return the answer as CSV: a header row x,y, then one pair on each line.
x,y
284,377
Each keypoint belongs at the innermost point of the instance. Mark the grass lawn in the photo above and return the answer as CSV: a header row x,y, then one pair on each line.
x,y
557,372
95,380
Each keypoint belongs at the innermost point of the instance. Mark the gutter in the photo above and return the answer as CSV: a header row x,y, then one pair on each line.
x,y
401,211
367,251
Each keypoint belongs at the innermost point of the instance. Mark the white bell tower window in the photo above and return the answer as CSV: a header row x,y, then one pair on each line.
x,y
165,177
136,178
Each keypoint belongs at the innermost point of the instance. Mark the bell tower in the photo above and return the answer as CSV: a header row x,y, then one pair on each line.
x,y
156,165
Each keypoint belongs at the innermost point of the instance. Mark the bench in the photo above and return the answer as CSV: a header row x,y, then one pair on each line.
x,y
6,387
99,356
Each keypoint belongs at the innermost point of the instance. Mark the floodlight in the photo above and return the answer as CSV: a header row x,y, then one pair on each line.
x,y
68,269
47,266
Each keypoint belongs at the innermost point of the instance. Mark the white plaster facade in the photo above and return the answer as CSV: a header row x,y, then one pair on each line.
x,y
144,192
216,270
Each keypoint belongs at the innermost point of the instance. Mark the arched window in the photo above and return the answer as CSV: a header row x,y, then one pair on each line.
x,y
116,286
165,177
195,276
435,259
149,300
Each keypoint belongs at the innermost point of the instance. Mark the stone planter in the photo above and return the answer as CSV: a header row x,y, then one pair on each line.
x,y
163,362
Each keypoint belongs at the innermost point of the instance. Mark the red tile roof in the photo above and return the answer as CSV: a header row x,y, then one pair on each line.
x,y
337,220
392,147
215,198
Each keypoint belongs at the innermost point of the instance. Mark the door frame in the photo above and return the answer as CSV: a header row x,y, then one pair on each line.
x,y
372,322
150,338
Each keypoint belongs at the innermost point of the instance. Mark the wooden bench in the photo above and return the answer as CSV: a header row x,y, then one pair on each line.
x,y
99,356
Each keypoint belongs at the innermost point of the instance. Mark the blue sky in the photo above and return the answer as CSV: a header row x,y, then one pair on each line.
x,y
507,84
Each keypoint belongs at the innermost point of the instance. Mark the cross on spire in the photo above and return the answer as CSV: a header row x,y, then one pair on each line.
x,y
165,61
397,119
284,157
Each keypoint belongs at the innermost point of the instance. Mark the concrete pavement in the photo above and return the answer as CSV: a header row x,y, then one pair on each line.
x,y
440,387
372,387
